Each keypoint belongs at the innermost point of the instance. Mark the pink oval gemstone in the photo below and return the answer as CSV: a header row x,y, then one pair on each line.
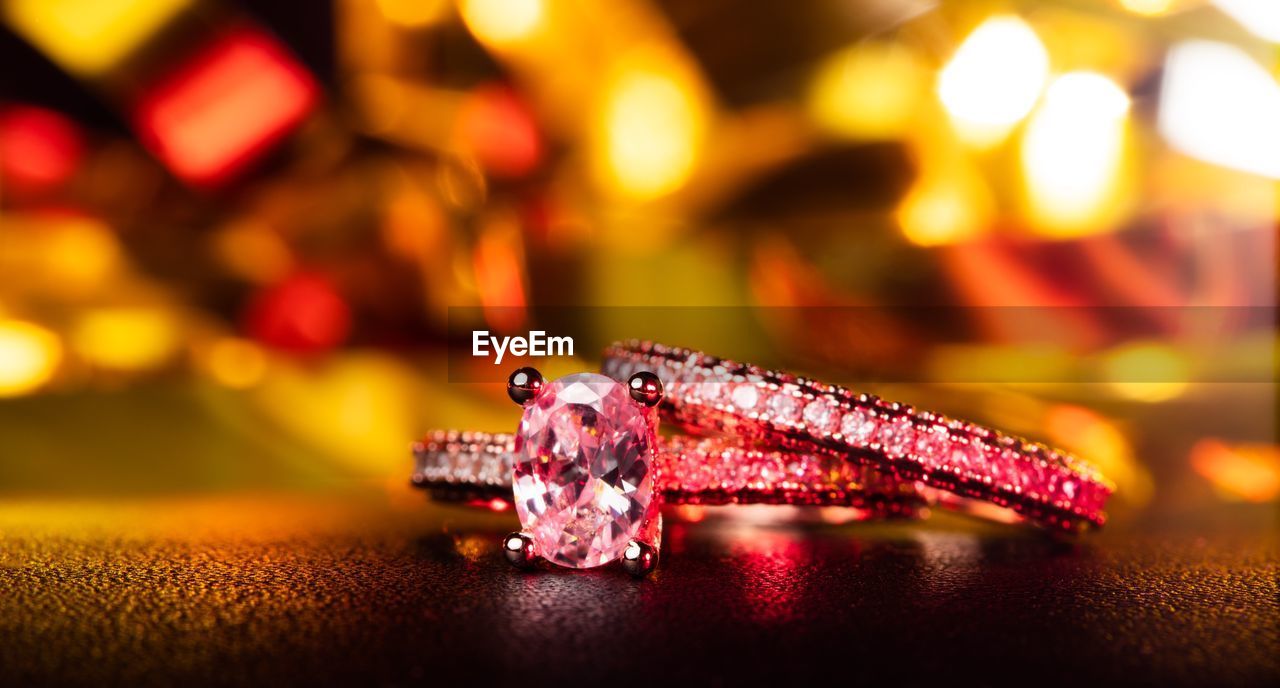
x,y
583,473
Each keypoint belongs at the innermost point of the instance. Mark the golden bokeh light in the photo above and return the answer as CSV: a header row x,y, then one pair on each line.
x,y
651,127
1073,154
253,251
994,79
868,91
80,254
29,357
1248,472
357,408
1147,8
236,363
125,338
89,36
501,22
946,207
413,14
64,255
1146,371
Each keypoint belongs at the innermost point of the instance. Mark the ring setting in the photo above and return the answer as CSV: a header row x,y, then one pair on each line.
x,y
584,470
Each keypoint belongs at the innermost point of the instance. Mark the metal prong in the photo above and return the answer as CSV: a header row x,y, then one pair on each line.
x,y
518,547
645,387
524,385
639,558
641,555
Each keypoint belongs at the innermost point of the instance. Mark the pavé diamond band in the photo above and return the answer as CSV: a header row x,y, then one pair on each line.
x,y
960,461
476,468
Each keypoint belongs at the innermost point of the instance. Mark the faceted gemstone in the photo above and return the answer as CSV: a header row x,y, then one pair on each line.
x,y
784,409
964,457
821,416
931,445
1068,488
745,396
772,471
696,477
711,390
805,471
583,473
468,464
734,475
897,436
857,426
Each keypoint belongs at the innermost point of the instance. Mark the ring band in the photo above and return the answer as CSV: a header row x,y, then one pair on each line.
x,y
707,394
477,467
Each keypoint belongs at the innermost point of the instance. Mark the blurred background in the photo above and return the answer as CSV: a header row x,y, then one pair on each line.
x,y
231,233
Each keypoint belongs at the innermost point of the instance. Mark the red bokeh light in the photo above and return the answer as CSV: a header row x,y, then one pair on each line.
x,y
39,148
304,314
219,111
498,128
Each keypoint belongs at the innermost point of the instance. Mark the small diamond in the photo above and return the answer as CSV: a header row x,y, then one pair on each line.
x,y
784,409
745,396
772,472
857,426
466,467
821,416
896,436
693,473
805,471
1045,479
1068,488
964,457
733,474
712,391
931,446
1005,470
929,441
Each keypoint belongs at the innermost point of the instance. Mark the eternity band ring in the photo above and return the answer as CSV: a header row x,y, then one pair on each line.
x,y
955,463
588,474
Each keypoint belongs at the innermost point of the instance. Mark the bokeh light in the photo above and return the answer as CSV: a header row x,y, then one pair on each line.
x,y
29,356
1259,16
39,148
414,13
303,314
89,36
652,125
1073,153
1149,8
218,112
500,131
994,79
1219,105
125,338
868,91
1248,472
1147,371
945,207
502,21
235,362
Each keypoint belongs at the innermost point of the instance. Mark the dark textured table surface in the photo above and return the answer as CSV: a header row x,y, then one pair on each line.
x,y
305,592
